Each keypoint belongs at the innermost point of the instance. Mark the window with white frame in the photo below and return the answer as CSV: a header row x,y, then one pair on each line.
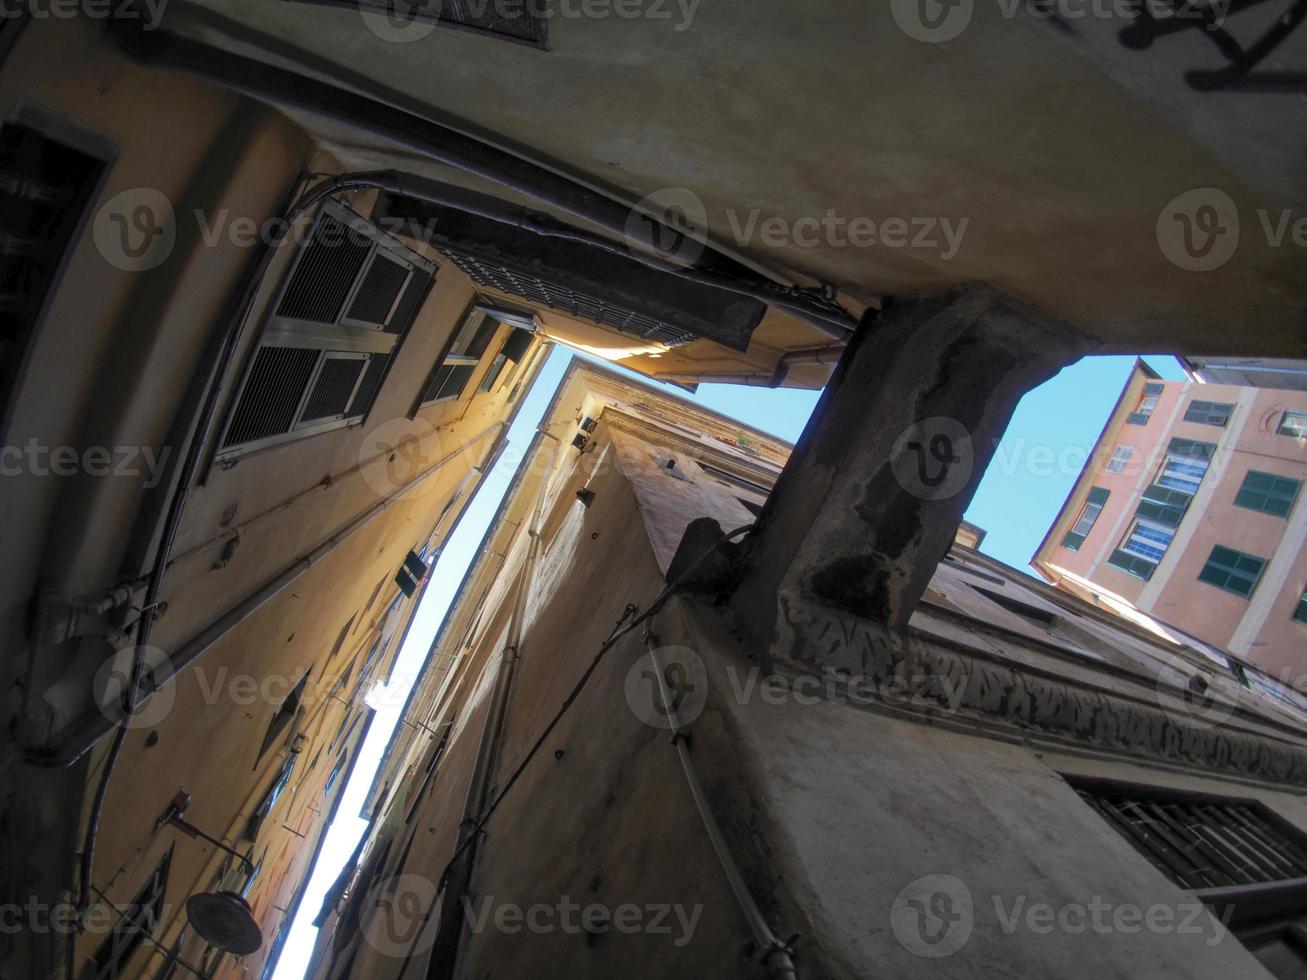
x,y
1293,424
1147,403
1148,540
348,300
1120,459
1087,517
1183,473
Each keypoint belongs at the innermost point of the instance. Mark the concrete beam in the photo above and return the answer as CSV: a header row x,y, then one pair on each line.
x,y
870,500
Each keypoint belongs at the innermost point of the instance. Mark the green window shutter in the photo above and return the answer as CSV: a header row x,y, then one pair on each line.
x,y
1209,413
1097,495
1138,418
1154,388
1268,493
1300,614
1073,541
1170,516
1166,496
1232,570
1163,505
1191,447
1134,565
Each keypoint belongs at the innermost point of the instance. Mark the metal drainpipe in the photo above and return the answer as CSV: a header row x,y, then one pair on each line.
x,y
778,958
95,724
449,932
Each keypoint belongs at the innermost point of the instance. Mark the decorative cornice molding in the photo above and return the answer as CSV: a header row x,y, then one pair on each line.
x,y
929,678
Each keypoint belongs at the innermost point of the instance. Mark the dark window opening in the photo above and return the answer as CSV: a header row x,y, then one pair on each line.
x,y
46,188
450,376
255,823
336,770
411,574
138,920
284,715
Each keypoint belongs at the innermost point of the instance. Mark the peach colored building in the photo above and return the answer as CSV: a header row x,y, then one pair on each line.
x,y
1191,509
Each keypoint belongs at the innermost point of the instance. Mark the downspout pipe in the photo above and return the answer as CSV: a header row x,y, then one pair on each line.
x,y
449,933
96,723
445,145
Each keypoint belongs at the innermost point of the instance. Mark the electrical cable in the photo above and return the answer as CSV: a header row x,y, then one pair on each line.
x,y
619,631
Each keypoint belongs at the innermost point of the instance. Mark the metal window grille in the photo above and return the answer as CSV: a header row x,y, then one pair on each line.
x,y
1201,842
523,284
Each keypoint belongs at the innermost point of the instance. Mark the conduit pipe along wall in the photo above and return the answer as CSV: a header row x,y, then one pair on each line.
x,y
96,723
449,932
442,144
775,954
